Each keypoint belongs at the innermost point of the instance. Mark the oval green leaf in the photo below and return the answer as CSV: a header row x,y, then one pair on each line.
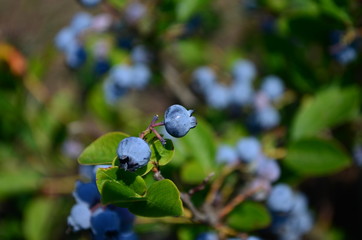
x,y
162,199
249,216
119,186
314,156
329,108
162,154
102,150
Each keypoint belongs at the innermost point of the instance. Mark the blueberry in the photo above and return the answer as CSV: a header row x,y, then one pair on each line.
x,y
268,169
346,55
133,153
113,91
273,87
122,75
207,236
130,235
244,71
300,203
80,22
248,149
281,198
226,154
87,193
141,75
204,78
90,3
218,96
75,55
101,66
267,117
79,217
127,217
134,12
139,54
105,224
241,93
178,120
253,238
64,37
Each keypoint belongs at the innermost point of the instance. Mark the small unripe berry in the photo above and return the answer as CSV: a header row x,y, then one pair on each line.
x,y
133,153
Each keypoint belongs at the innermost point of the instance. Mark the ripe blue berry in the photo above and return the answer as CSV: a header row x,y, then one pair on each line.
x,y
141,75
86,193
226,154
217,96
267,117
133,153
268,169
248,149
273,87
90,3
105,224
207,236
80,22
281,198
79,217
204,78
244,71
241,93
178,120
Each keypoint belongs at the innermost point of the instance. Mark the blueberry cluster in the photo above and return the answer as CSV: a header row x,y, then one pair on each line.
x,y
123,77
104,222
248,151
291,216
70,39
343,47
134,152
241,92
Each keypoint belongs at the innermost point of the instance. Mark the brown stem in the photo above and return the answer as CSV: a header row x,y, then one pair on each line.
x,y
236,201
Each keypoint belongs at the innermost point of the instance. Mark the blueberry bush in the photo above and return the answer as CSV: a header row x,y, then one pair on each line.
x,y
188,120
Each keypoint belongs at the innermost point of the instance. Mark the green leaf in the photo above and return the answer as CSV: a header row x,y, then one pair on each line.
x,y
329,108
314,156
249,216
197,146
186,8
102,150
18,182
38,218
162,199
119,186
192,172
162,154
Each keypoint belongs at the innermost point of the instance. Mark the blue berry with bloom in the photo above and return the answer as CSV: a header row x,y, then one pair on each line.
x,y
79,217
244,71
133,153
86,193
178,120
248,149
218,96
227,154
267,117
281,198
105,224
207,236
204,78
273,87
90,3
80,22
